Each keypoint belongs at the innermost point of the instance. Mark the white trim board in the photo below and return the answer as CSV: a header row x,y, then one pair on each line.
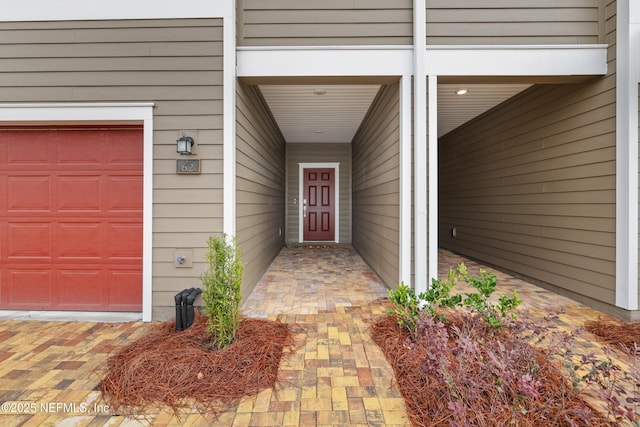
x,y
62,113
525,60
627,159
323,62
229,126
404,253
336,195
81,10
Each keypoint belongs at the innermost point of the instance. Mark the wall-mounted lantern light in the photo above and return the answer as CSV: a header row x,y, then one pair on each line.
x,y
185,144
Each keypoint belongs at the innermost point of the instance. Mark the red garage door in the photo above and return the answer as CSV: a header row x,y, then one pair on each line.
x,y
71,219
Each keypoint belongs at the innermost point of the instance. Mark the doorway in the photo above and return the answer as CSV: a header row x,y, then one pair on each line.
x,y
319,205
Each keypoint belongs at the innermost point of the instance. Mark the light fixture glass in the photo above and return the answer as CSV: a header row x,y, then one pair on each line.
x,y
320,91
184,144
462,91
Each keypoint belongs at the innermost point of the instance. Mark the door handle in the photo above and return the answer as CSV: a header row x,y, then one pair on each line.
x,y
304,208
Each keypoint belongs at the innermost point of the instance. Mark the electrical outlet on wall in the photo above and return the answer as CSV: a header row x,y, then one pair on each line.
x,y
183,258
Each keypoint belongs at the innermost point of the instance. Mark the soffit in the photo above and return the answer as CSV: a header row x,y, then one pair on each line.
x,y
332,113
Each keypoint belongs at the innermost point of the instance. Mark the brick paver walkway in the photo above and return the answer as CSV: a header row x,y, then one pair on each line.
x,y
336,377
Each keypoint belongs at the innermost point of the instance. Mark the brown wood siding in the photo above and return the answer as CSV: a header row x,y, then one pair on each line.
x,y
509,22
260,185
376,186
324,23
318,153
177,64
530,187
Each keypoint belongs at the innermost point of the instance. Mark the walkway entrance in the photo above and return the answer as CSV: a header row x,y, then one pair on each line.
x,y
309,279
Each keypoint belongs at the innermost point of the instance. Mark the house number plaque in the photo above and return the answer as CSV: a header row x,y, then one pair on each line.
x,y
187,167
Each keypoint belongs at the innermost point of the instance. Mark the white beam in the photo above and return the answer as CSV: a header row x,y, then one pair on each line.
x,y
324,61
73,10
420,147
547,60
405,182
229,122
627,47
433,178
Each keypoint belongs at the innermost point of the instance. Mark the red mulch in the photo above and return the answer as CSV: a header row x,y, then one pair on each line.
x,y
425,397
179,368
615,332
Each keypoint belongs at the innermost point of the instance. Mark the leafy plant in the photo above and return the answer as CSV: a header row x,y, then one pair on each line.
x,y
221,289
408,306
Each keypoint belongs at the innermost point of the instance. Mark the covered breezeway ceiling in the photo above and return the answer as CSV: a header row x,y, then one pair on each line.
x,y
333,113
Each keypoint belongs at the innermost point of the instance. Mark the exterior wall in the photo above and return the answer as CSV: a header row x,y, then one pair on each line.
x,y
133,61
466,22
376,186
324,23
530,186
317,153
260,185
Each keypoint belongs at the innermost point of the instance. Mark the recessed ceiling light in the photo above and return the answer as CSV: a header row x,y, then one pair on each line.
x,y
319,91
461,92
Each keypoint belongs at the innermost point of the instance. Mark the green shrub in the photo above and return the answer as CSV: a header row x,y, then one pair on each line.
x,y
221,289
408,306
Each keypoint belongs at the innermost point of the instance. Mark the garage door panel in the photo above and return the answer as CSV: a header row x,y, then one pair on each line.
x,y
79,149
71,218
29,240
125,241
125,193
79,241
80,289
30,287
120,153
79,193
123,291
20,154
29,193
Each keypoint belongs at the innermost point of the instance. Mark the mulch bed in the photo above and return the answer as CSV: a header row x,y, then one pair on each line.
x,y
427,406
178,369
624,335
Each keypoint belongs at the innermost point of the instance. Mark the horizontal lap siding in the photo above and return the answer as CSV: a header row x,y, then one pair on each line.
x,y
324,23
530,187
177,65
376,186
260,188
470,22
318,153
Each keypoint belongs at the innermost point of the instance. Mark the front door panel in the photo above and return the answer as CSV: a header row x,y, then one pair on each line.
x,y
319,204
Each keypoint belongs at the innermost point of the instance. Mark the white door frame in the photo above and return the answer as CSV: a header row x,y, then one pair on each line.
x,y
328,165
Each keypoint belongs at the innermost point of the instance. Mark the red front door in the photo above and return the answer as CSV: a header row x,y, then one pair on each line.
x,y
71,218
319,204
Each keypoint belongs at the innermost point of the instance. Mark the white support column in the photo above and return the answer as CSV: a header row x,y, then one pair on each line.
x,y
627,72
405,181
433,178
229,120
420,144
